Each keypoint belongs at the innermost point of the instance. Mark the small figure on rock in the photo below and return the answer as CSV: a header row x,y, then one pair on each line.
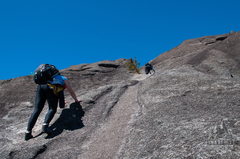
x,y
149,68
50,88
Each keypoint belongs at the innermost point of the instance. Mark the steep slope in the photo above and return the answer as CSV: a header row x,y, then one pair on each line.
x,y
99,85
188,109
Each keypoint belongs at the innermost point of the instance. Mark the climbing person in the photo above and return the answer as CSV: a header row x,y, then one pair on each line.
x,y
52,92
148,68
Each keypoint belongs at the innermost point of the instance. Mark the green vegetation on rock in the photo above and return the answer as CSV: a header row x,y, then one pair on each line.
x,y
133,65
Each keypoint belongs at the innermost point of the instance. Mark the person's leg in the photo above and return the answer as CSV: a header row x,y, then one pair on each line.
x,y
39,104
52,103
146,70
52,100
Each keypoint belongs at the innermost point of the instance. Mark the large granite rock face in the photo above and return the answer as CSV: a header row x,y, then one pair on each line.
x,y
188,109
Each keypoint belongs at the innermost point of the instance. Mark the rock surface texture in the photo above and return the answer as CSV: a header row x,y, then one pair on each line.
x,y
188,109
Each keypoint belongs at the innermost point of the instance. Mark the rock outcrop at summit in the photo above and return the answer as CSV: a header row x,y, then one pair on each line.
x,y
188,109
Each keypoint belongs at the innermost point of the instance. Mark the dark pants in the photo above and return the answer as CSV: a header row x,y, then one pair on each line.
x,y
43,93
147,69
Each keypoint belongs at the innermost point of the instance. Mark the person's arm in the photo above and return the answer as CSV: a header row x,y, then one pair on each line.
x,y
70,90
153,69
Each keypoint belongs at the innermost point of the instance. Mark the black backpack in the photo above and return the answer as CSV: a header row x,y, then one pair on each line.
x,y
44,73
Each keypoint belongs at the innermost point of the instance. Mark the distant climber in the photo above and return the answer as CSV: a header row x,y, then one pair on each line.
x,y
50,92
148,68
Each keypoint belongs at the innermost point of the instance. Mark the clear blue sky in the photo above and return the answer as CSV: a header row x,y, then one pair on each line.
x,y
72,32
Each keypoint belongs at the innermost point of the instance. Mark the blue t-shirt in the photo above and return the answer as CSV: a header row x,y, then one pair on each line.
x,y
58,79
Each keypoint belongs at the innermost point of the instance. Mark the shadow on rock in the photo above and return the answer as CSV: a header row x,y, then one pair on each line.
x,y
70,119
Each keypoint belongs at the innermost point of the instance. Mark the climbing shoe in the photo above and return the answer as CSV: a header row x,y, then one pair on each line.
x,y
28,136
46,129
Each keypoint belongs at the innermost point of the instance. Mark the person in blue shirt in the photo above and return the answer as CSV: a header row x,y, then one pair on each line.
x,y
148,68
47,92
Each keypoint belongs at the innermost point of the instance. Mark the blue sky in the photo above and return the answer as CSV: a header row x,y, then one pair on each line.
x,y
72,32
